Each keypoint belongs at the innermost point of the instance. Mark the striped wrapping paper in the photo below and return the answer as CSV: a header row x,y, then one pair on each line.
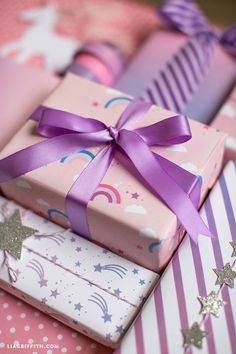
x,y
174,304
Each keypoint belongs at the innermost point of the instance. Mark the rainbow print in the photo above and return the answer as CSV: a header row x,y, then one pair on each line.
x,y
54,213
108,191
154,246
114,101
88,156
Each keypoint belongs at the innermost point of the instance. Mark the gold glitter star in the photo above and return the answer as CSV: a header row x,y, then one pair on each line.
x,y
233,244
193,336
210,304
13,233
225,275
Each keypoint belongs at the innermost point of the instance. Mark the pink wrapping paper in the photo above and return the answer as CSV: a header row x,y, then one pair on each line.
x,y
48,35
123,214
22,90
225,120
174,304
21,324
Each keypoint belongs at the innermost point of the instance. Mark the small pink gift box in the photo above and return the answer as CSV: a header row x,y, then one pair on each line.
x,y
225,120
123,214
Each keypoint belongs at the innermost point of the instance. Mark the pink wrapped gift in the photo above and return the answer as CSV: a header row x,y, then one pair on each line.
x,y
24,329
123,214
48,35
22,90
172,69
80,284
225,120
195,301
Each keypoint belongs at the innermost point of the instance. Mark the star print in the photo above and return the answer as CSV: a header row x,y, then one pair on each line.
x,y
141,298
210,304
108,336
119,329
233,244
54,293
225,275
44,300
13,233
104,251
135,271
78,306
141,281
72,239
54,259
43,282
107,317
193,336
98,268
78,249
117,292
78,264
135,195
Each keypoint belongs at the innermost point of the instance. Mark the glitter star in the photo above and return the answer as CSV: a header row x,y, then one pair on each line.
x,y
210,304
117,292
43,282
78,249
119,329
135,195
107,317
193,336
13,233
44,300
135,271
72,239
54,293
78,264
78,306
98,268
54,259
108,336
225,275
233,244
141,281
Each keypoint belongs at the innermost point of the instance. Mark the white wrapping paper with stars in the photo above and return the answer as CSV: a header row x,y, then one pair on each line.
x,y
81,284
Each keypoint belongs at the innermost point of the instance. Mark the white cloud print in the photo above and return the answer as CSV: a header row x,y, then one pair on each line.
x,y
135,209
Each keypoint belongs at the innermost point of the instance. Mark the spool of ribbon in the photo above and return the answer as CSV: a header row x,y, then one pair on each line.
x,y
67,133
188,67
99,61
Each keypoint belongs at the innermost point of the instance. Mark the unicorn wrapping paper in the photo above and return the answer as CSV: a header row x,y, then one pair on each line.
x,y
80,284
225,120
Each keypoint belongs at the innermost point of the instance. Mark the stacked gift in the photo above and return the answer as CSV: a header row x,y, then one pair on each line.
x,y
194,305
123,214
29,330
225,120
178,66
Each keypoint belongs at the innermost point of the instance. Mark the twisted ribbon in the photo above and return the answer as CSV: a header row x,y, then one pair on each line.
x,y
175,84
67,133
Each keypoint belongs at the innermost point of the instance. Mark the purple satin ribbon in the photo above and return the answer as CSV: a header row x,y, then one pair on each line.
x,y
67,133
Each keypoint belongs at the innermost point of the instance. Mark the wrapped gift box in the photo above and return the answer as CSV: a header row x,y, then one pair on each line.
x,y
66,25
156,52
225,120
175,306
81,284
22,325
22,90
123,215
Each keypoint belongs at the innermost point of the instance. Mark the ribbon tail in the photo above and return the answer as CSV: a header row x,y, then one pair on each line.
x,y
162,184
83,189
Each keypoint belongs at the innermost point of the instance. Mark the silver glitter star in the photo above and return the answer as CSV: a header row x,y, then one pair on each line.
x,y
193,336
233,244
225,275
13,233
210,304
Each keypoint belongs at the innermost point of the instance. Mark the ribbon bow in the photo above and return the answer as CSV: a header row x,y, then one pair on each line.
x,y
175,84
67,133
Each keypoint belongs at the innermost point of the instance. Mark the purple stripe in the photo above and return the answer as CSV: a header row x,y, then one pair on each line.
x,y
139,336
161,324
161,95
196,54
188,7
228,207
185,76
219,264
202,292
188,60
171,93
150,95
176,79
